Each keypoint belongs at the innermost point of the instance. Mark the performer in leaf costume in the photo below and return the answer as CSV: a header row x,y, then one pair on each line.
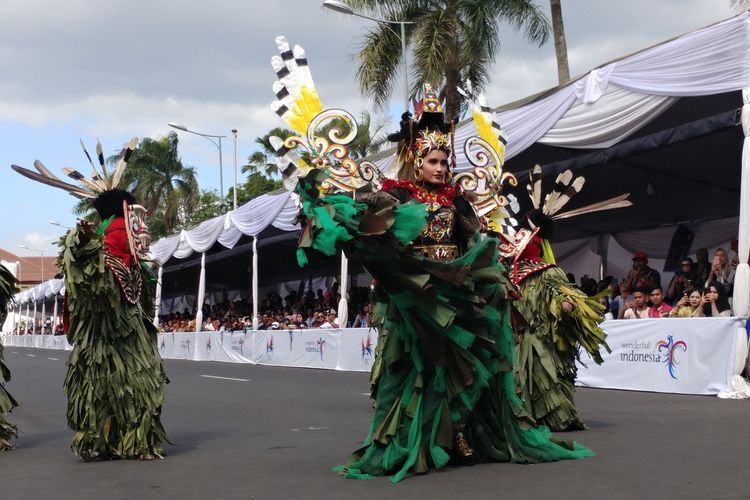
x,y
8,431
115,377
553,319
443,380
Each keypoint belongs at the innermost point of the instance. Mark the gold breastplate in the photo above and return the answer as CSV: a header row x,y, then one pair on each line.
x,y
436,239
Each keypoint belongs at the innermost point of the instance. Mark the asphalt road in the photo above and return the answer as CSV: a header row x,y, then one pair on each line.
x,y
277,432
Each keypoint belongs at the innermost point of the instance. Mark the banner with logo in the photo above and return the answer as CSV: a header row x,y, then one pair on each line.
x,y
357,349
303,348
674,355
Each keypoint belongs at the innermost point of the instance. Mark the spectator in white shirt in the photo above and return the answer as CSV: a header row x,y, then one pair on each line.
x,y
330,321
639,310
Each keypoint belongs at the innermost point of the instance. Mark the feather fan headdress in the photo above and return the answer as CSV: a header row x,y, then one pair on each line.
x,y
299,105
566,186
91,187
486,153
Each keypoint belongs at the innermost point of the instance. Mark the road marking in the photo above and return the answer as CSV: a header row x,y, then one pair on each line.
x,y
366,393
310,429
31,355
14,352
53,359
227,378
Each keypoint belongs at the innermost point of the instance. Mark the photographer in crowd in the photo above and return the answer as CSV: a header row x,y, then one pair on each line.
x,y
715,302
684,279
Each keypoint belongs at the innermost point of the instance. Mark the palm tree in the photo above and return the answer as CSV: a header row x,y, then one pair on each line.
x,y
264,160
561,47
453,41
160,182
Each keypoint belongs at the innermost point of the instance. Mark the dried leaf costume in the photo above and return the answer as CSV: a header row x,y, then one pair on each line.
x,y
443,378
8,431
115,377
548,336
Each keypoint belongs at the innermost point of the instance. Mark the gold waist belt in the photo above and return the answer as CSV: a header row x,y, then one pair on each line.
x,y
438,252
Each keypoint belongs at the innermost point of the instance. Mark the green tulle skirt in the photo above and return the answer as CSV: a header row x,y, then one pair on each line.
x,y
115,376
445,359
548,343
8,431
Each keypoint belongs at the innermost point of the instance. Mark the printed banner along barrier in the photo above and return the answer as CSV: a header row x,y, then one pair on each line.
x,y
683,356
348,349
674,355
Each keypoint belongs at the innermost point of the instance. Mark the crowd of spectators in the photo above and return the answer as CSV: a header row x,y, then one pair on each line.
x,y
700,288
294,311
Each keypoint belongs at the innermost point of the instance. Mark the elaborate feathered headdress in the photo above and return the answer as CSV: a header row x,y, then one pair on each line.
x,y
299,105
89,187
424,132
486,154
566,186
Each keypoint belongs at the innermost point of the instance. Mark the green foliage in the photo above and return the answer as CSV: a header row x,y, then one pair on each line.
x,y
161,183
255,185
453,41
208,207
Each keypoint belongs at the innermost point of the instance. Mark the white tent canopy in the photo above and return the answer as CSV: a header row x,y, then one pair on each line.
x,y
275,209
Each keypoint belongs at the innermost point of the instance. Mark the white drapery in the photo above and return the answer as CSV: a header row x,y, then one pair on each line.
x,y
157,298
741,295
343,310
201,295
609,103
256,320
277,210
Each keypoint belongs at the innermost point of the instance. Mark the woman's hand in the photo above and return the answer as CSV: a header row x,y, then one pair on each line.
x,y
683,301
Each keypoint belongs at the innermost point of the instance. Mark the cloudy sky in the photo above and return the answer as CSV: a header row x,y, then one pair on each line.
x,y
117,69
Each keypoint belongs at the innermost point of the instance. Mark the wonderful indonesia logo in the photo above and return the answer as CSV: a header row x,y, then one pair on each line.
x,y
367,352
316,346
663,351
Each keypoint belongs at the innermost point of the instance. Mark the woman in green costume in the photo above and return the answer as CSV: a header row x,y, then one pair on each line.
x,y
115,377
8,431
443,380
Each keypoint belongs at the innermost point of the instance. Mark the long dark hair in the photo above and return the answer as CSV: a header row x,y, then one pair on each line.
x,y
722,301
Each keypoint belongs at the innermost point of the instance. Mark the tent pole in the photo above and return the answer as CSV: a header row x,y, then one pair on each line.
x,y
741,295
201,295
343,312
54,316
256,322
44,313
33,329
157,298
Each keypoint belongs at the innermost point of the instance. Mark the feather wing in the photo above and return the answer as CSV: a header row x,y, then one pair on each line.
x,y
122,162
53,181
297,97
616,202
291,165
534,188
564,191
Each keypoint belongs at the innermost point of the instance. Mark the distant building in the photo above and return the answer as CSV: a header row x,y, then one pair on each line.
x,y
28,270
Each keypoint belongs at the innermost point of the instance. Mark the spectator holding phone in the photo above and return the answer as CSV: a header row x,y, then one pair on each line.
x,y
715,302
689,306
722,272
684,279
642,276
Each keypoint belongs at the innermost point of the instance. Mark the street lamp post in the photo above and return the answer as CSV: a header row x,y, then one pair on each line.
x,y
234,191
211,138
342,8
